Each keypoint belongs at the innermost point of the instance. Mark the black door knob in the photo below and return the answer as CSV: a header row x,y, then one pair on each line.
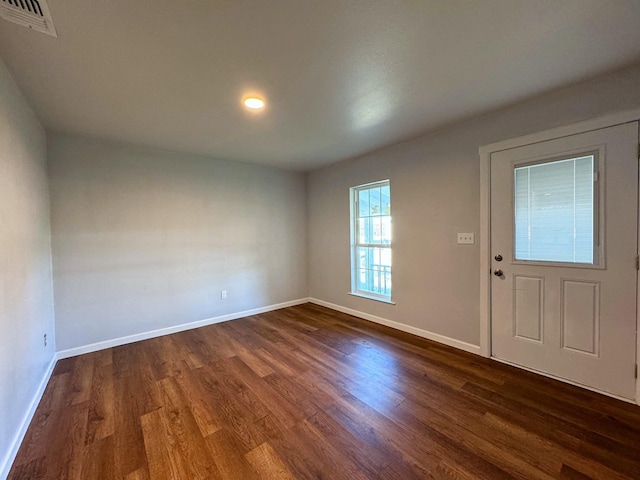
x,y
498,273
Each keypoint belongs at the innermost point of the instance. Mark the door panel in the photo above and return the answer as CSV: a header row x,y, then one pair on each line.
x,y
528,305
569,311
580,316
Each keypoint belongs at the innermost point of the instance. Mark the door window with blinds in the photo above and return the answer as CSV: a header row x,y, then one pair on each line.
x,y
371,240
556,211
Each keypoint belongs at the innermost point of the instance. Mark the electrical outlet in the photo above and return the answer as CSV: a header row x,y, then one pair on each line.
x,y
466,238
223,294
45,339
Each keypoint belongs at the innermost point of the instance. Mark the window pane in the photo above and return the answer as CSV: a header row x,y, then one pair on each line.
x,y
554,211
385,229
368,230
385,200
364,260
375,258
377,229
385,259
374,200
362,224
364,279
363,202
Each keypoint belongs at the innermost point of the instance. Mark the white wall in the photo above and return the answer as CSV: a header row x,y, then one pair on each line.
x,y
26,308
435,188
144,239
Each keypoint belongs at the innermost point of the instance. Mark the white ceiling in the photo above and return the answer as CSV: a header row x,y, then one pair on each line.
x,y
341,77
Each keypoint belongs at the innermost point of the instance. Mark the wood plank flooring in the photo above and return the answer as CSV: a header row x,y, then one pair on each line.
x,y
310,393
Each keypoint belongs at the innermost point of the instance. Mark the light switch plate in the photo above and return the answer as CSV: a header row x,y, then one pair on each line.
x,y
466,238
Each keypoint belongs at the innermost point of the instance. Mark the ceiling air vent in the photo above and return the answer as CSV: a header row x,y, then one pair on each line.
x,y
29,13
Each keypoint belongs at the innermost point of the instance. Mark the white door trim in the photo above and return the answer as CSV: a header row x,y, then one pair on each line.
x,y
485,210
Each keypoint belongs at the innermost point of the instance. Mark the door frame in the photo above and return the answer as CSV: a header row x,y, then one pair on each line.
x,y
485,152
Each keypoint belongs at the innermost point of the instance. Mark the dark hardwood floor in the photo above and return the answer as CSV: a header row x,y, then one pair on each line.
x,y
307,392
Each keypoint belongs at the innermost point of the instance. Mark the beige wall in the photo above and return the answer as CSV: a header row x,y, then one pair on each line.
x,y
26,303
435,188
145,239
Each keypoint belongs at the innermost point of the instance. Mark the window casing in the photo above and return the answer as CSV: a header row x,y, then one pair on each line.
x,y
371,240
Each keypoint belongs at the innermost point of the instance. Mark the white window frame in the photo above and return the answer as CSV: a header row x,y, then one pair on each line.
x,y
354,217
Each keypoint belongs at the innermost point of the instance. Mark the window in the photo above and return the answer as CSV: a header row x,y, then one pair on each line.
x,y
555,211
371,240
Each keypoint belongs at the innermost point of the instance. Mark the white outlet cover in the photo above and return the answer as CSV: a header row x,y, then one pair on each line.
x,y
466,238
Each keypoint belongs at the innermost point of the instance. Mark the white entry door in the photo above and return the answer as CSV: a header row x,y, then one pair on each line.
x,y
563,246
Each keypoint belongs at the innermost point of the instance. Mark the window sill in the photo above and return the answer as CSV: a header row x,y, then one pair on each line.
x,y
371,297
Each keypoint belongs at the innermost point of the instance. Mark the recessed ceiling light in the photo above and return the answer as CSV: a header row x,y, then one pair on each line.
x,y
254,103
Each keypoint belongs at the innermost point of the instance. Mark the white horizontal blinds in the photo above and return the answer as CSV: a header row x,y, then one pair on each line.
x,y
373,240
554,211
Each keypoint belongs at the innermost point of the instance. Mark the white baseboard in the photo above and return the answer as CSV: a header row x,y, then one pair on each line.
x,y
94,347
452,342
10,456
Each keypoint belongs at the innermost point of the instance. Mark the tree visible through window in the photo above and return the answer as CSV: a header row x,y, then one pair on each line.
x,y
371,240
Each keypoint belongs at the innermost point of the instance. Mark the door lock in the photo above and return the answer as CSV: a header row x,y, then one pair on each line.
x,y
498,258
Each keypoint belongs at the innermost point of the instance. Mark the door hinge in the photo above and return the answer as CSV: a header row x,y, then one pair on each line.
x,y
635,374
637,262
